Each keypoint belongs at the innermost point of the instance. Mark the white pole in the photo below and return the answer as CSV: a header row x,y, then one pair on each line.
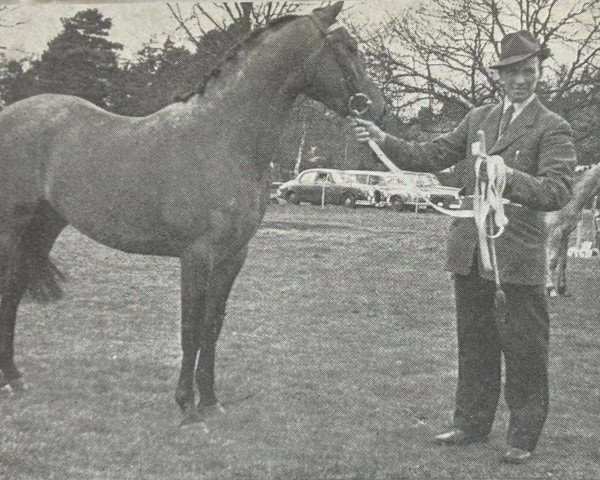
x,y
579,235
596,222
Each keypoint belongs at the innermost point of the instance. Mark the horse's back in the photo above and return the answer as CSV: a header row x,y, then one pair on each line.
x,y
54,151
30,128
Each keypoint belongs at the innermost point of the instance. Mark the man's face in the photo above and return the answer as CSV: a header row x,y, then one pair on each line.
x,y
520,79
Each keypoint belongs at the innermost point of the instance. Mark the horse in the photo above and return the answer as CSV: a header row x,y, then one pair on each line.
x,y
189,181
559,226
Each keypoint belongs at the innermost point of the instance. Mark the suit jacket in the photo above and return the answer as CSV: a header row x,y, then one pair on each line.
x,y
538,145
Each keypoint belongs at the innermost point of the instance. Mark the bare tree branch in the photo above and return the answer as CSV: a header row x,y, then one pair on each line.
x,y
177,15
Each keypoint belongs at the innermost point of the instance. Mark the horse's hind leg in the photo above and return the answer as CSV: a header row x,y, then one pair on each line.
x,y
14,283
26,262
219,287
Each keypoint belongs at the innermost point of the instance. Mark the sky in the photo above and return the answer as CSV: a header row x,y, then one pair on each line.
x,y
136,23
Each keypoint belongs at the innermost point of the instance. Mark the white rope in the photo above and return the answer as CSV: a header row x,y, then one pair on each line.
x,y
488,204
487,199
388,163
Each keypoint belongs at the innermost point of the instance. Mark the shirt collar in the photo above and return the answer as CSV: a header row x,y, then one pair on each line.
x,y
519,107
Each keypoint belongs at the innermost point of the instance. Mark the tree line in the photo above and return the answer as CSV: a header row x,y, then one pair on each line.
x,y
430,62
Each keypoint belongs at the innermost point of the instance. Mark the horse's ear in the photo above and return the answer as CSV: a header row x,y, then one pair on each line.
x,y
328,14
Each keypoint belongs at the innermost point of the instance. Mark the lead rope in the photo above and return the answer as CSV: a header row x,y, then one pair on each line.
x,y
488,205
490,219
488,212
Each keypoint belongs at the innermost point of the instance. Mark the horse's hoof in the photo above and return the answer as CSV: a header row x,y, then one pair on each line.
x,y
19,385
6,391
211,410
193,422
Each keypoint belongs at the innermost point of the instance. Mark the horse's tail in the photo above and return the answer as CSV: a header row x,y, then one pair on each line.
x,y
43,278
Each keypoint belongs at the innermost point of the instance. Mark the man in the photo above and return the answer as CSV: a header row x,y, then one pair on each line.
x,y
536,150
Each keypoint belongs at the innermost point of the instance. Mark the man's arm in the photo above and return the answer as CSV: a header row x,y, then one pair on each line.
x,y
551,188
441,153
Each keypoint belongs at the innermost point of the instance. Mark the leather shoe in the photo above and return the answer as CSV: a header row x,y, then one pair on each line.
x,y
516,455
458,437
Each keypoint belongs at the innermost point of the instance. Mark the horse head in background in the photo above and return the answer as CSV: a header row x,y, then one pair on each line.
x,y
189,181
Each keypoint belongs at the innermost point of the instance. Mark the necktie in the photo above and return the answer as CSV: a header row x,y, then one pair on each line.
x,y
506,118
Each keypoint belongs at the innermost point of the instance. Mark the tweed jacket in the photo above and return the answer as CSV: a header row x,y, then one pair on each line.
x,y
538,145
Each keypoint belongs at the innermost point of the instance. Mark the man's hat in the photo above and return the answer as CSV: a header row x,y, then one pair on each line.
x,y
518,46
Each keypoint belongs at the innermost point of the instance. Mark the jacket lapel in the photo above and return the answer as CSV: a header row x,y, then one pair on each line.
x,y
518,128
490,126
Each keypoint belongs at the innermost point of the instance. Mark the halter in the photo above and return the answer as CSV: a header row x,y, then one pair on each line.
x,y
349,74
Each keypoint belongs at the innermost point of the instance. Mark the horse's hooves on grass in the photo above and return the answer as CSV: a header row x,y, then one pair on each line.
x,y
193,423
6,391
211,410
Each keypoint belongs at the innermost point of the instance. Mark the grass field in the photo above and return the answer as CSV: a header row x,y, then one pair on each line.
x,y
337,361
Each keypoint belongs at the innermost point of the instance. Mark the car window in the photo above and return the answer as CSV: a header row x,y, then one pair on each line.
x,y
308,177
427,181
323,177
376,180
348,178
398,180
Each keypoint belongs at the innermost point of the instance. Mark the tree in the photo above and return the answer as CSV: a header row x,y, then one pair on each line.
x,y
442,50
235,19
6,22
156,77
16,82
160,74
439,55
80,60
9,69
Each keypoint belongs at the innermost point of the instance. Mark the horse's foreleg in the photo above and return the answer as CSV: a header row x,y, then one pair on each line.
x,y
196,265
220,285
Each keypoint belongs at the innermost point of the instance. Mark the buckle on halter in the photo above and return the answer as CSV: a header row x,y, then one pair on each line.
x,y
359,99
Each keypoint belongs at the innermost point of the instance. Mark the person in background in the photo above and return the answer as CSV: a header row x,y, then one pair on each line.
x,y
535,148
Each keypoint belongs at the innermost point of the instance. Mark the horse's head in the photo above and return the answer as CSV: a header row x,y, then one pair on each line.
x,y
334,71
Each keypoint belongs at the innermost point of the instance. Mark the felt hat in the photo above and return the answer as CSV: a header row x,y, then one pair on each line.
x,y
518,46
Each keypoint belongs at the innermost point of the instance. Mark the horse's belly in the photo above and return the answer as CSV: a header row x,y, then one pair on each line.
x,y
131,223
128,238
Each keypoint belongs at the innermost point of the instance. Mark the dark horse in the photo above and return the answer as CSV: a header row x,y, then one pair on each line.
x,y
189,181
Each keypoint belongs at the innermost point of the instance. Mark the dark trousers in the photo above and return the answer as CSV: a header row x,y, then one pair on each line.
x,y
523,339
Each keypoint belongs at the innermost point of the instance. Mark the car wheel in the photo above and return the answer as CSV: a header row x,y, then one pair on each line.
x,y
397,203
293,198
349,200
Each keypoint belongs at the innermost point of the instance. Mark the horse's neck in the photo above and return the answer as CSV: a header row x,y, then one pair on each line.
x,y
260,87
586,188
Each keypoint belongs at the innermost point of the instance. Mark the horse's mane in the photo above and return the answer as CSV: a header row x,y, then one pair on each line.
x,y
231,54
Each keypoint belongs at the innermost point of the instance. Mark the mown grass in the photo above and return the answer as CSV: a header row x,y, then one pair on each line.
x,y
337,361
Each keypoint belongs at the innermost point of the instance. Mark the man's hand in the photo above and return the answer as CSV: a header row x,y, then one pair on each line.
x,y
365,130
496,163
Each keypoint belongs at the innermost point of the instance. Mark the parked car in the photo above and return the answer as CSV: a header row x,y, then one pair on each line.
x,y
409,189
329,185
438,194
396,190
